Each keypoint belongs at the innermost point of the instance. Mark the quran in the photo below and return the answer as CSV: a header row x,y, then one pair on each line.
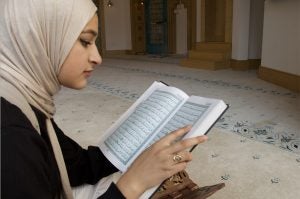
x,y
160,110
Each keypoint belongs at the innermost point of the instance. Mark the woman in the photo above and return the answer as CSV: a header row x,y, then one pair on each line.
x,y
46,44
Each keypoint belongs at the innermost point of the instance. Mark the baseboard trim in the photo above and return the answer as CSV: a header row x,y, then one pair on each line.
x,y
284,79
249,64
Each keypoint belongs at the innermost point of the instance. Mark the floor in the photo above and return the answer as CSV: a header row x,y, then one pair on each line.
x,y
254,148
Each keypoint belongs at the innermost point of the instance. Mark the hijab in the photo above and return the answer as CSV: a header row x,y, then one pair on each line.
x,y
35,38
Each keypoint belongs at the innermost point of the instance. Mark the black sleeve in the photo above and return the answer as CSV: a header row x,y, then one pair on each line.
x,y
112,192
26,170
84,166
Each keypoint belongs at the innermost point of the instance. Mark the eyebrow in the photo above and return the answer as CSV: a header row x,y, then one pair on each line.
x,y
94,33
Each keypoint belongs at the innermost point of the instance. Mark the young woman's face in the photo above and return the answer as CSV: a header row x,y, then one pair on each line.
x,y
82,59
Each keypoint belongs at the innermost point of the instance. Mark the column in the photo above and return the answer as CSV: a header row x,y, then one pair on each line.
x,y
240,29
181,29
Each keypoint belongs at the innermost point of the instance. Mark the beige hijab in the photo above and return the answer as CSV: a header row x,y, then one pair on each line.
x,y
35,39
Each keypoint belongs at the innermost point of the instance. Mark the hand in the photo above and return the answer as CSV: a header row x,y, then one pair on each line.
x,y
157,163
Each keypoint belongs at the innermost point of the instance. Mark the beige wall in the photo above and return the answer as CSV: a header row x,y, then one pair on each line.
x,y
281,36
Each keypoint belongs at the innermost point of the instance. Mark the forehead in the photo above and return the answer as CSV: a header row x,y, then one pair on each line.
x,y
92,25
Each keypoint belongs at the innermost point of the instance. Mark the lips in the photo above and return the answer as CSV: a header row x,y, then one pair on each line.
x,y
88,73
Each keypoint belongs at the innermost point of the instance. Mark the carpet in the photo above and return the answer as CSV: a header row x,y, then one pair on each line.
x,y
254,148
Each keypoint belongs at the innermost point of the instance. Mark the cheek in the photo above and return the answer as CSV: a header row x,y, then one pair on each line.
x,y
71,72
75,59
71,76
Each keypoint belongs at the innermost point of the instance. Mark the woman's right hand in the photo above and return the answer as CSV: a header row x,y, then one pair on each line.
x,y
157,163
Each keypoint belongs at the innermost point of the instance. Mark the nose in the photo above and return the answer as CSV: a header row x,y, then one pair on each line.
x,y
95,57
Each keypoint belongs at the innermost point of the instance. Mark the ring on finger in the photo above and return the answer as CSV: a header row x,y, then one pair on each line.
x,y
177,158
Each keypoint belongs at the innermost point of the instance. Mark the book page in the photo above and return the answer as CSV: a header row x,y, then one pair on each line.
x,y
199,112
129,136
215,109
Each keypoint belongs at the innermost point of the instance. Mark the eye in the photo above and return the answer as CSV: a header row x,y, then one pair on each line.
x,y
84,43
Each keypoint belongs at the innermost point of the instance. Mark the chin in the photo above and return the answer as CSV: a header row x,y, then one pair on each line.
x,y
80,87
77,85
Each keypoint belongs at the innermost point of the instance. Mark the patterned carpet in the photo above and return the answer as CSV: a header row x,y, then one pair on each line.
x,y
259,110
254,148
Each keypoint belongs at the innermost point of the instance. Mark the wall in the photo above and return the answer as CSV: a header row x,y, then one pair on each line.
x,y
281,36
117,25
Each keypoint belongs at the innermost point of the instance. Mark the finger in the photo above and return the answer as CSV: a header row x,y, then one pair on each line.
x,y
185,144
171,137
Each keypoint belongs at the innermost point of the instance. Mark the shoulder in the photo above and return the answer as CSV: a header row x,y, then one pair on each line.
x,y
17,130
12,116
16,127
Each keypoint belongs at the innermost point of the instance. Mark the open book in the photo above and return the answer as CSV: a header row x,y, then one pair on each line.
x,y
159,111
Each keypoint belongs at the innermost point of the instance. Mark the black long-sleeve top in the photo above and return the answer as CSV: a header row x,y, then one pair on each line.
x,y
28,165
